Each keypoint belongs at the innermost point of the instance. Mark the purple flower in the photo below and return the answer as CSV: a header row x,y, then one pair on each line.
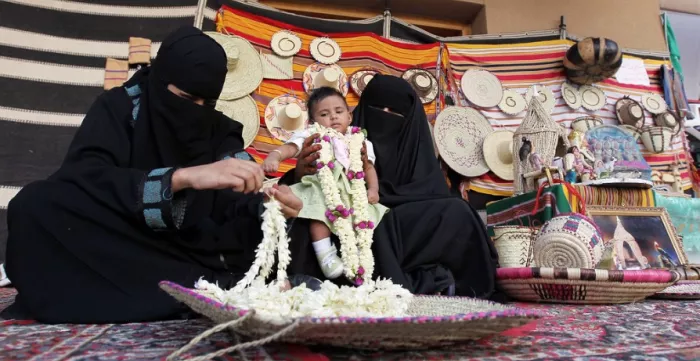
x,y
359,175
370,224
362,225
319,165
326,138
361,271
345,213
331,165
359,281
339,208
332,218
317,140
355,130
351,175
352,210
328,213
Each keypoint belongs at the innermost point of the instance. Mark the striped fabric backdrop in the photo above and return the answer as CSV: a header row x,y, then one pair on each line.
x,y
519,66
52,59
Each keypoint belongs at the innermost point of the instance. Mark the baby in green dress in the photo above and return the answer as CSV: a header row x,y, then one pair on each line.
x,y
327,107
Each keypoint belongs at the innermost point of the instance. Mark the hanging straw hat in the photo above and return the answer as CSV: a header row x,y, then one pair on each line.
x,y
512,103
325,50
498,153
654,103
245,111
285,115
285,43
482,88
546,97
319,75
460,134
245,71
593,98
629,112
423,82
360,79
571,95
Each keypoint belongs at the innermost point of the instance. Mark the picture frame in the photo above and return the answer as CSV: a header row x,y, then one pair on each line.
x,y
645,236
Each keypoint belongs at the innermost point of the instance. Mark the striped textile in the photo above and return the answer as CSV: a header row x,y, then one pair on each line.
x,y
52,61
519,66
358,51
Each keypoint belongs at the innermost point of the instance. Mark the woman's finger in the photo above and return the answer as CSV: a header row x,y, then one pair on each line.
x,y
236,183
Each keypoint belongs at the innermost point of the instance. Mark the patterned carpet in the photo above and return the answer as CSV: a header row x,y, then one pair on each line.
x,y
652,330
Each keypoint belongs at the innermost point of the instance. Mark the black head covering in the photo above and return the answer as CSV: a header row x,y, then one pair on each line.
x,y
174,131
406,163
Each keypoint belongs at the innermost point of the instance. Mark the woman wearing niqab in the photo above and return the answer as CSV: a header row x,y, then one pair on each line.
x,y
155,186
431,241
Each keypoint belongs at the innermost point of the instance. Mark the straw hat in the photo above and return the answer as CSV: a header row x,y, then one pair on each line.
x,y
571,95
593,98
319,75
669,120
460,134
423,82
325,50
629,112
498,153
512,103
285,115
546,97
482,88
360,79
245,111
285,43
654,103
245,71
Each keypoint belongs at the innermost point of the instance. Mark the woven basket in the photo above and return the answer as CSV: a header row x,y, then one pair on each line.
x,y
584,124
568,241
683,290
434,322
657,139
514,245
582,286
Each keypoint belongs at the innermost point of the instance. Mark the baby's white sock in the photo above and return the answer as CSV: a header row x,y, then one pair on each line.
x,y
322,245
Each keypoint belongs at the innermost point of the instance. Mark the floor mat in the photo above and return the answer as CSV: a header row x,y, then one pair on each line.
x,y
652,330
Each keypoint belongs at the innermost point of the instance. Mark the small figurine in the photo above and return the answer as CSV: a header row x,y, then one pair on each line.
x,y
536,161
525,150
576,162
665,259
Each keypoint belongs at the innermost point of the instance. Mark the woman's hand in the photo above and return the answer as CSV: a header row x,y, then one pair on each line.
x,y
291,204
240,175
306,160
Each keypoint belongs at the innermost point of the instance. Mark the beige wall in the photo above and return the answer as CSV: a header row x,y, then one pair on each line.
x,y
633,24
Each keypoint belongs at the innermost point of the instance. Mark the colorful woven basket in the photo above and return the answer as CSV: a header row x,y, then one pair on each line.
x,y
582,286
434,322
514,245
683,290
568,241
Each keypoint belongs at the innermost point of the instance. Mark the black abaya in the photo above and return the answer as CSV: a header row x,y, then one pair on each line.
x,y
91,243
430,239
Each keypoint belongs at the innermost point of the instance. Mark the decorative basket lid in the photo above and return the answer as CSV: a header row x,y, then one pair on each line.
x,y
285,43
571,95
654,103
593,98
325,50
512,102
482,88
460,134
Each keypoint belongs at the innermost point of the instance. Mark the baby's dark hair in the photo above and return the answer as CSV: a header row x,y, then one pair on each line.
x,y
318,95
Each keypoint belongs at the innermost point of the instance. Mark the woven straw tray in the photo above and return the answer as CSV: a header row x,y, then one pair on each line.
x,y
582,286
435,322
683,290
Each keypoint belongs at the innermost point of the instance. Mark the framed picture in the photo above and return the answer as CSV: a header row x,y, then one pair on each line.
x,y
643,237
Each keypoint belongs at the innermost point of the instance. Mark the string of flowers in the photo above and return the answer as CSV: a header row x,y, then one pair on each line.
x,y
352,225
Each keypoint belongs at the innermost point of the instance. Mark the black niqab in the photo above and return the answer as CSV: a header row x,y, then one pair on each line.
x,y
406,164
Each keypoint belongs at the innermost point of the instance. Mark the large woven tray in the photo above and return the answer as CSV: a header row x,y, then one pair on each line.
x,y
682,290
435,322
582,286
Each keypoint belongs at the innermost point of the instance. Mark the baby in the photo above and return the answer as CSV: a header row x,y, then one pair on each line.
x,y
327,107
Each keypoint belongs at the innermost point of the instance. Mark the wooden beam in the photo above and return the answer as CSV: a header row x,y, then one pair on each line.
x,y
351,13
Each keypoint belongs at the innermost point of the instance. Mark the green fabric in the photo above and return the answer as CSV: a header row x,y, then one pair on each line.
x,y
310,192
672,45
685,216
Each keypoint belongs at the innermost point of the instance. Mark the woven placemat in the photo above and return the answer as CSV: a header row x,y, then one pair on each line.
x,y
434,321
682,290
582,286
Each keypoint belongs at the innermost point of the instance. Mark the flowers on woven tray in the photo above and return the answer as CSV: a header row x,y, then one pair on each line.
x,y
276,302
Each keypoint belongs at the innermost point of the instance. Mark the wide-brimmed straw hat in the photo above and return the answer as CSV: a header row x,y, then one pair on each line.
x,y
319,75
423,82
629,112
592,98
325,50
360,79
245,111
498,153
460,134
285,115
512,102
245,70
571,95
285,43
482,88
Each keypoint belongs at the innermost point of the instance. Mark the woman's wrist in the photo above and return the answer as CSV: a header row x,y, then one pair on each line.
x,y
180,180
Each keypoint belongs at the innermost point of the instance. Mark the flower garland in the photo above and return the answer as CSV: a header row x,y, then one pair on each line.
x,y
352,225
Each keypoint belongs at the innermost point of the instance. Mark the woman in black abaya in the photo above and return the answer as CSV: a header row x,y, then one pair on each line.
x,y
430,240
156,186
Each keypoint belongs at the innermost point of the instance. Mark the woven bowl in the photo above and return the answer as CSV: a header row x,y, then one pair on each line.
x,y
582,286
514,245
434,322
584,124
568,241
657,139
